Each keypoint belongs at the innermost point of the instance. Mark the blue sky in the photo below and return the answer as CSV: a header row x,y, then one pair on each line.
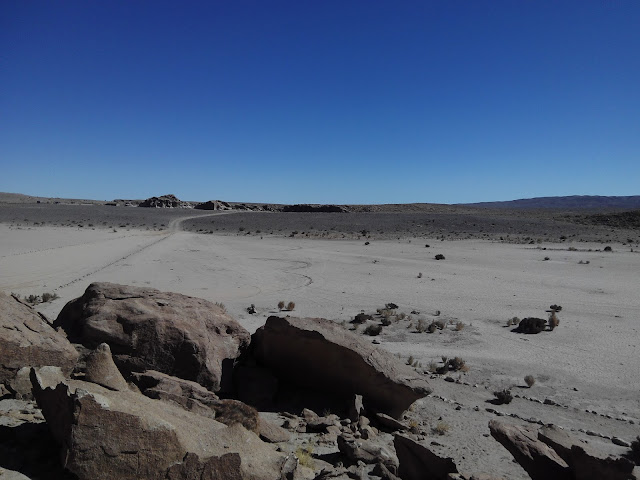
x,y
320,101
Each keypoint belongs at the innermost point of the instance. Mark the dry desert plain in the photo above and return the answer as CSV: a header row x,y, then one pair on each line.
x,y
497,265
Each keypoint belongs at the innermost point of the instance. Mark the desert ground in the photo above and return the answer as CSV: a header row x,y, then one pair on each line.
x,y
497,266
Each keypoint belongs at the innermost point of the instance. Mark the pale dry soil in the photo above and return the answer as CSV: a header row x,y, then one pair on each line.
x,y
590,362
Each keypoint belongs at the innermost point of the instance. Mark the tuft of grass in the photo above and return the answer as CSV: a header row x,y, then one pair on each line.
x,y
459,326
48,297
291,306
529,380
410,360
280,305
441,428
222,307
422,326
305,457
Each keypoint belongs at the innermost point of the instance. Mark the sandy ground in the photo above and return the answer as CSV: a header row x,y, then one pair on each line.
x,y
590,363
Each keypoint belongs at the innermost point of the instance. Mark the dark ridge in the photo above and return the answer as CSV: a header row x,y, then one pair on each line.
x,y
570,202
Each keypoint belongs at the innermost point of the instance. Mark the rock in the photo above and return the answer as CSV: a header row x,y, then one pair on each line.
x,y
232,412
619,441
314,208
164,201
11,475
319,355
356,408
388,423
592,466
182,336
256,386
383,472
213,205
189,395
100,369
269,432
531,325
417,461
106,434
585,463
27,340
20,385
539,460
367,451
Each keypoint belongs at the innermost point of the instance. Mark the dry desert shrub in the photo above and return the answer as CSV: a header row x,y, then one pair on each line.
x,y
280,305
441,428
231,412
373,330
553,320
222,307
422,326
47,297
305,457
503,396
439,257
529,380
459,326
291,306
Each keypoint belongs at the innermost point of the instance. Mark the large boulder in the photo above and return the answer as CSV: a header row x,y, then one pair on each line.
x,y
324,358
147,329
539,460
585,463
26,340
105,434
531,325
213,205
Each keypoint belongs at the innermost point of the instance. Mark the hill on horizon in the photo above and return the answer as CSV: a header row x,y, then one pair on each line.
x,y
566,202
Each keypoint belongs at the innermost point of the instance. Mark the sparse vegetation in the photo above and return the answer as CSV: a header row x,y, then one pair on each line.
x,y
503,396
373,330
439,257
422,326
305,457
280,305
291,306
529,380
222,307
459,326
441,428
410,360
251,309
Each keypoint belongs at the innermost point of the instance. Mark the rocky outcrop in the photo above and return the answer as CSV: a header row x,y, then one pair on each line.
x,y
539,460
182,336
417,461
26,340
105,434
585,464
213,205
164,201
320,356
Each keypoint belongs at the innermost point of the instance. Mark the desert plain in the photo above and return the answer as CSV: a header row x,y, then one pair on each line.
x,y
497,265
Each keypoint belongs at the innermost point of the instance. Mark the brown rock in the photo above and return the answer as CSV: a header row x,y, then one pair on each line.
x,y
417,461
182,336
106,434
272,433
389,423
367,451
100,369
585,463
189,395
26,340
539,460
319,355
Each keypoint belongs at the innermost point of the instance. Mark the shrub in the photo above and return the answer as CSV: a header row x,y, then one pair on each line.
x,y
33,299
457,364
439,257
291,306
401,316
433,366
280,305
386,321
251,309
432,327
459,326
47,297
222,307
410,360
529,380
503,396
359,318
419,274
441,428
439,324
553,321
373,330
231,412
305,457
422,325
391,306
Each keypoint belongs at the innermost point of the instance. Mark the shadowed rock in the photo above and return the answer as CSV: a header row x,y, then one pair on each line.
x,y
106,434
418,462
164,201
26,340
319,355
182,336
531,325
539,460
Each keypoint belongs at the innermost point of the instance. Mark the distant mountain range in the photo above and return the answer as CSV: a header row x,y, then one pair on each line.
x,y
569,203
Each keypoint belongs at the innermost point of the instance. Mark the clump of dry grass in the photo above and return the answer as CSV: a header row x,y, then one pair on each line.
x,y
441,428
281,305
291,306
305,457
222,307
459,326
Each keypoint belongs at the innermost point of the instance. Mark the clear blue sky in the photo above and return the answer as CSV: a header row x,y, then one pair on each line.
x,y
320,101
